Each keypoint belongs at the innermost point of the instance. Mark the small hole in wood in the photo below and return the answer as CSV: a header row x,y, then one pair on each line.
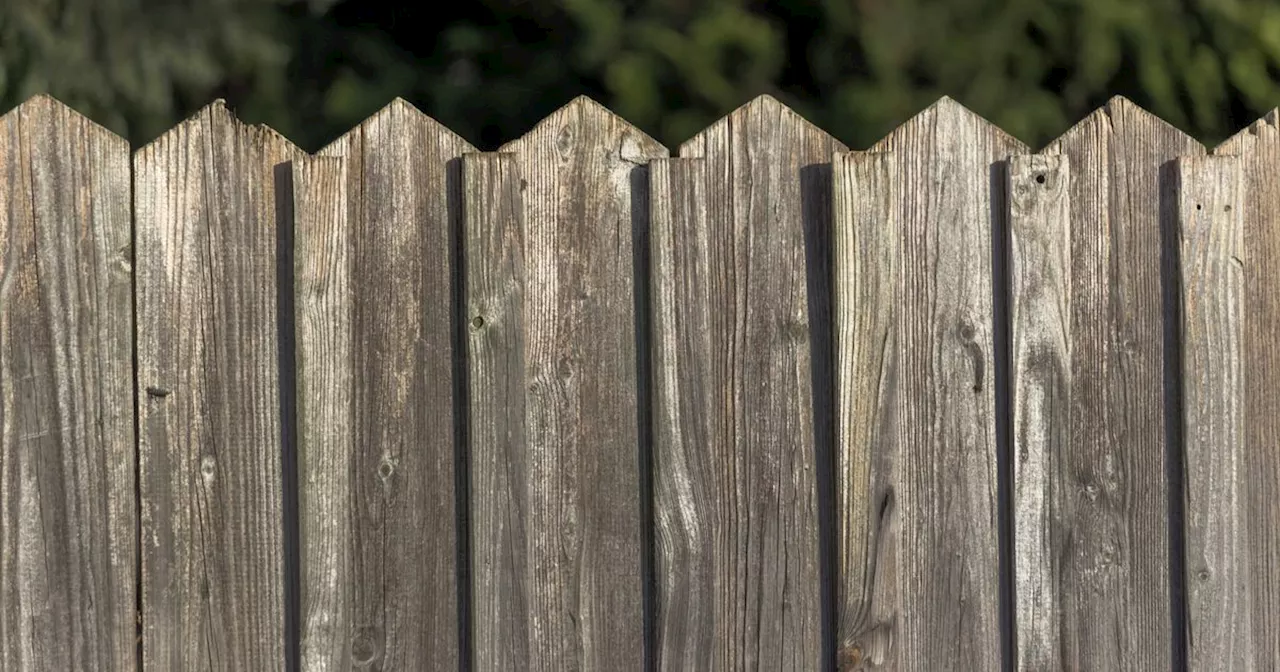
x,y
1199,207
477,322
1226,208
1040,179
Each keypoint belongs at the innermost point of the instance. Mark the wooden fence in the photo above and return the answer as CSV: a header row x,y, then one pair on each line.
x,y
945,404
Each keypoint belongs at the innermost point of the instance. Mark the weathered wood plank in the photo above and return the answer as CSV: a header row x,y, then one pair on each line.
x,y
867,236
325,411
695,600
402,211
1040,394
741,296
494,239
209,396
576,580
1259,209
68,516
1112,512
937,407
1219,594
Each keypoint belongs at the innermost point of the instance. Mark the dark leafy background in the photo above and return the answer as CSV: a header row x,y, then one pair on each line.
x,y
490,69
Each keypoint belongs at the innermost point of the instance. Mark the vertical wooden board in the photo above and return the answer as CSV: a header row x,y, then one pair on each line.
x,y
1112,509
402,212
1258,148
867,239
741,297
325,411
580,585
493,237
938,406
1219,594
691,318
68,515
209,400
1040,394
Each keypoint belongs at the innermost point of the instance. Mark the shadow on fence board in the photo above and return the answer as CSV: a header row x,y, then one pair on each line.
x,y
578,404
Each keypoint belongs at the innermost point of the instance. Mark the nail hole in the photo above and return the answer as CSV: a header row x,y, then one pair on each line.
x,y
1040,179
1198,206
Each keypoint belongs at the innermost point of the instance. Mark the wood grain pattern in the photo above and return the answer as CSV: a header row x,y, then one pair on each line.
x,y
1112,511
325,411
1040,394
937,408
741,294
208,396
68,516
494,239
582,203
867,240
1219,594
402,211
1258,149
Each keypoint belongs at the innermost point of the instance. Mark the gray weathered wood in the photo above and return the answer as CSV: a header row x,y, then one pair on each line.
x,y
577,576
1219,593
1111,511
1040,394
68,516
325,412
867,240
740,294
209,397
500,466
402,211
1259,150
937,402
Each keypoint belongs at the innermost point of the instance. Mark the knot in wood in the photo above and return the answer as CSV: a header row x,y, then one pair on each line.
x,y
565,141
385,468
366,645
850,658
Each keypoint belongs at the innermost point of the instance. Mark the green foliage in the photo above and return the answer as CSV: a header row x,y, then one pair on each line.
x,y
490,69
131,64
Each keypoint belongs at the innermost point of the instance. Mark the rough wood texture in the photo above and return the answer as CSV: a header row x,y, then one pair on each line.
x,y
867,240
1111,512
400,221
1040,394
493,236
740,296
208,396
577,578
1219,594
1259,207
68,516
325,412
937,409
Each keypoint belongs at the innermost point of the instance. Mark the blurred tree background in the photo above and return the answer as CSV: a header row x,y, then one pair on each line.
x,y
490,69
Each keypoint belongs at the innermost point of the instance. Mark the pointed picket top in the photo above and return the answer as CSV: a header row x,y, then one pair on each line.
x,y
1267,126
762,106
635,145
949,109
1124,113
217,113
45,106
404,112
